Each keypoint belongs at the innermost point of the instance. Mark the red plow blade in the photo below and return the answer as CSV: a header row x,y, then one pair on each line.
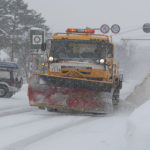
x,y
61,98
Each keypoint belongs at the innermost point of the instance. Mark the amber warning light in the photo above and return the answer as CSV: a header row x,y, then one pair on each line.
x,y
80,30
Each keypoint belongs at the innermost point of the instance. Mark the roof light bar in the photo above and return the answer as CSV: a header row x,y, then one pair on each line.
x,y
71,30
80,30
89,30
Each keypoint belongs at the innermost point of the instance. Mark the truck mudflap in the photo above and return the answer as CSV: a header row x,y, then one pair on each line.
x,y
71,94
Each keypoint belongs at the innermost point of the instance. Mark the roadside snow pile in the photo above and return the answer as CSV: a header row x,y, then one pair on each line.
x,y
140,94
138,128
135,71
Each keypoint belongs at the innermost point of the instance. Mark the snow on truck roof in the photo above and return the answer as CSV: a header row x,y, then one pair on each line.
x,y
82,36
8,65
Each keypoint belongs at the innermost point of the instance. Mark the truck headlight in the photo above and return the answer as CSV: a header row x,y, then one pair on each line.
x,y
101,61
51,59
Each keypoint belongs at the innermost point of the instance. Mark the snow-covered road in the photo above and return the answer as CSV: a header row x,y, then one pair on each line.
x,y
27,128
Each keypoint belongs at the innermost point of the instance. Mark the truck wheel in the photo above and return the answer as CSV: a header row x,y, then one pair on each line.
x,y
115,98
51,109
115,101
3,90
41,107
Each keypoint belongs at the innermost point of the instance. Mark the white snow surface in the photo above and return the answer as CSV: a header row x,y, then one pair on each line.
x,y
138,128
27,128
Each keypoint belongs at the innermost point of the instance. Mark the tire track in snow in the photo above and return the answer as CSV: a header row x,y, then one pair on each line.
x,y
10,107
41,118
49,132
23,123
15,111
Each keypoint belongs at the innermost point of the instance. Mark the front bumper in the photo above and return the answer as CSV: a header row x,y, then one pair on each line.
x,y
75,83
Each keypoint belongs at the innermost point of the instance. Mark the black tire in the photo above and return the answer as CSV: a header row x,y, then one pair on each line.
x,y
115,101
3,90
41,107
51,109
115,98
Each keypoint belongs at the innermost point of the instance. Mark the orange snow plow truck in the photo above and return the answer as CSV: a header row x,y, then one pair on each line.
x,y
79,76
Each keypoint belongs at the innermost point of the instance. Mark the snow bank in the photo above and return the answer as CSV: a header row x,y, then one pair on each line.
x,y
135,71
138,128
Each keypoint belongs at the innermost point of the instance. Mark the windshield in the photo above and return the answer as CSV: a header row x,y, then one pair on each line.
x,y
77,49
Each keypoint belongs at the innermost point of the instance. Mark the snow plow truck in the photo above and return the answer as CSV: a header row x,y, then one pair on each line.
x,y
79,75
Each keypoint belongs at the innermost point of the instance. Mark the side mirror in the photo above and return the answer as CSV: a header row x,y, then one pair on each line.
x,y
110,51
43,46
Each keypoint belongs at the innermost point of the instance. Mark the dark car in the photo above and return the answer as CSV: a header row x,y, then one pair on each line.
x,y
10,81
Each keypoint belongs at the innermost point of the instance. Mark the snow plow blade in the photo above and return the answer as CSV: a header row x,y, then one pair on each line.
x,y
70,94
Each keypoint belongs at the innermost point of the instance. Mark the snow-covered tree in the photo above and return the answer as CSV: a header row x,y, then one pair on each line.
x,y
15,22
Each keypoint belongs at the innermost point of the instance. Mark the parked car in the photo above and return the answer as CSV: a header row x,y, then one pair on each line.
x,y
10,80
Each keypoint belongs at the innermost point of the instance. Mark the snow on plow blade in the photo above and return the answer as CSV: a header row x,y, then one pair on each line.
x,y
68,94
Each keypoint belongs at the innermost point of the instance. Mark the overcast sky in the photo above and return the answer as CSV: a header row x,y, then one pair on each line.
x,y
61,14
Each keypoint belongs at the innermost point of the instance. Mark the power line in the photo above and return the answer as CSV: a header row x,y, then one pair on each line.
x,y
127,31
